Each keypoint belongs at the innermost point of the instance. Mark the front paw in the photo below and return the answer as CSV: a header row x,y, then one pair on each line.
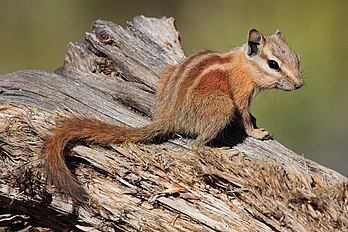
x,y
261,134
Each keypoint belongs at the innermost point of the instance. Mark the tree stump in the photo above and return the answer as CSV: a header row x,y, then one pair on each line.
x,y
250,186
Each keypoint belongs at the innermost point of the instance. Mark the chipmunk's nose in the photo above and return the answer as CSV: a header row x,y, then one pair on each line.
x,y
299,84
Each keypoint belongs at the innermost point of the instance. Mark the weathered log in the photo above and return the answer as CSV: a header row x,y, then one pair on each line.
x,y
251,186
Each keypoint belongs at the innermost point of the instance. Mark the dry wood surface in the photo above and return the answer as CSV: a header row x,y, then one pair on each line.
x,y
237,184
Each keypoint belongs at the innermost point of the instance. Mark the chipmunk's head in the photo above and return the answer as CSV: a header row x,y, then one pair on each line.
x,y
274,64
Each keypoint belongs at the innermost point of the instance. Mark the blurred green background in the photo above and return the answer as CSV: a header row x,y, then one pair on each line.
x,y
311,121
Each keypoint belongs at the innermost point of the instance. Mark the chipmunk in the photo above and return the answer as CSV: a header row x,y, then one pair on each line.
x,y
198,97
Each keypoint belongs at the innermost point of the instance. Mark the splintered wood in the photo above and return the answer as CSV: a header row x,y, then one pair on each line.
x,y
157,187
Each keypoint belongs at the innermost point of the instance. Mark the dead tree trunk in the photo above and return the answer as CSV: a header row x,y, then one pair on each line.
x,y
112,75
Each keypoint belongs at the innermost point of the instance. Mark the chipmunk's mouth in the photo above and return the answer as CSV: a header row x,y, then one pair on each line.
x,y
286,85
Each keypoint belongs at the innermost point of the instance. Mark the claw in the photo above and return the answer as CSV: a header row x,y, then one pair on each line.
x,y
261,134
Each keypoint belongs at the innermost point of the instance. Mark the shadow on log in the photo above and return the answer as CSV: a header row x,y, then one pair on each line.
x,y
112,75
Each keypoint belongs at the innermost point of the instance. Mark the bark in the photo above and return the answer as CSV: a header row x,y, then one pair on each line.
x,y
250,186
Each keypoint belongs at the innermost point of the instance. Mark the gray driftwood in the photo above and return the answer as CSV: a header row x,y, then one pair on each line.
x,y
112,75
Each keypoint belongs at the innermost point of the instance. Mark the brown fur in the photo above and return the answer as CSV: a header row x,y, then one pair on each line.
x,y
198,97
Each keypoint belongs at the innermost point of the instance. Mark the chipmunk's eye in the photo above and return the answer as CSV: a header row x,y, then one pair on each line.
x,y
273,65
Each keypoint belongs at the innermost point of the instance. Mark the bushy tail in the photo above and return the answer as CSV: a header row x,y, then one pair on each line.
x,y
89,130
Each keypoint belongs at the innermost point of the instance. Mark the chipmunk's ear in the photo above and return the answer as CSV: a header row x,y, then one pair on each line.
x,y
280,34
255,42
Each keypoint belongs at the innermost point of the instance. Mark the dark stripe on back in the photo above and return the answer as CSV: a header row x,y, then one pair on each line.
x,y
197,69
215,81
171,85
182,66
